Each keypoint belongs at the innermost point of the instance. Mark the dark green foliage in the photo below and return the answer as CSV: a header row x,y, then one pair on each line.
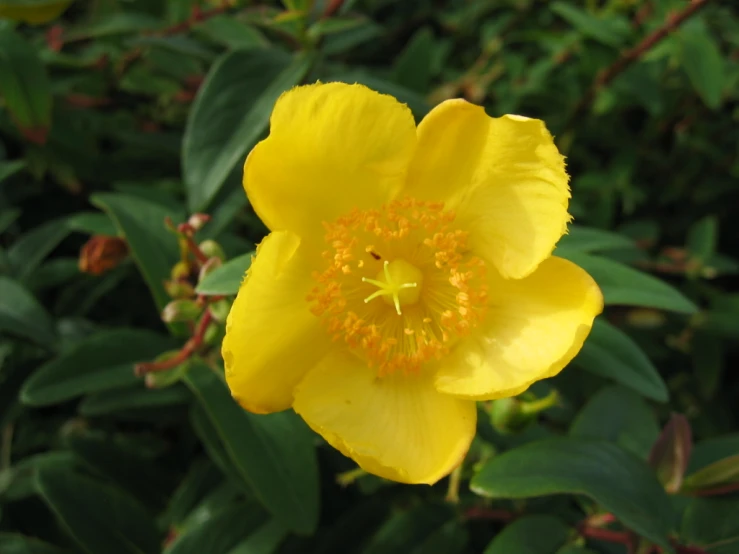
x,y
120,114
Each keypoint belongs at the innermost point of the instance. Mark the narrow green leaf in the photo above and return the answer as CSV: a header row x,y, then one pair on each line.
x,y
264,540
220,534
202,477
92,223
134,398
450,538
703,63
618,415
412,67
230,114
227,279
12,543
274,454
24,84
618,481
611,353
624,285
8,169
100,518
22,315
587,239
712,450
32,247
611,31
406,530
712,523
152,246
718,474
535,534
100,362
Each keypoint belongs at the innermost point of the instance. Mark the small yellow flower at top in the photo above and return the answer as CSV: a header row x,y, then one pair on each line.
x,y
408,274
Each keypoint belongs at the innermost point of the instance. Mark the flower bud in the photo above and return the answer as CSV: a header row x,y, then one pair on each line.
x,y
180,271
507,417
163,379
212,249
179,289
213,334
181,310
198,221
102,253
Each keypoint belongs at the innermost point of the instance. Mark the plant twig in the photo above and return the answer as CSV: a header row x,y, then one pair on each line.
x,y
630,56
191,346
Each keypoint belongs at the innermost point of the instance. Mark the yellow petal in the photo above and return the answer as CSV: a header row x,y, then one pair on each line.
x,y
534,327
332,147
272,339
397,427
504,177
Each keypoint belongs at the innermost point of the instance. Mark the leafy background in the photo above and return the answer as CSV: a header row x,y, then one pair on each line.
x,y
115,115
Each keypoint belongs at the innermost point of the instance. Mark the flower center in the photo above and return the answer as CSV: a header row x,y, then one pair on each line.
x,y
410,254
399,284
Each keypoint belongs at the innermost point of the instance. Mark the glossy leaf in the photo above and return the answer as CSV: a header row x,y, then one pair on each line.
x,y
274,454
624,285
220,534
407,529
611,353
134,398
712,523
22,315
100,362
227,279
587,239
152,246
99,518
614,478
708,451
535,534
13,543
24,85
265,540
413,66
703,63
619,415
230,114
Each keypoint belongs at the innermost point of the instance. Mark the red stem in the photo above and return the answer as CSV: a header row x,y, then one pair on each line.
x,y
477,512
191,346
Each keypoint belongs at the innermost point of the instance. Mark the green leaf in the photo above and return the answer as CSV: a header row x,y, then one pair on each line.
x,y
618,415
124,467
232,33
227,279
202,477
412,67
32,247
710,451
24,84
274,454
100,362
575,550
702,238
152,246
624,285
92,223
615,479
406,530
712,523
535,534
609,31
264,540
220,534
587,239
8,169
611,353
230,114
138,398
703,63
450,538
12,543
99,518
717,475
22,315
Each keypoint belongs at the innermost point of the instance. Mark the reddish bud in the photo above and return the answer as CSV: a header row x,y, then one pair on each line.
x,y
102,253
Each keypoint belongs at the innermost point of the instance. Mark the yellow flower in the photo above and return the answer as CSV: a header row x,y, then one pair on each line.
x,y
408,273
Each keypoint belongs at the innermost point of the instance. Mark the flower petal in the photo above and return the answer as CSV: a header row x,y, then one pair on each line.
x,y
272,338
332,147
504,177
397,427
535,326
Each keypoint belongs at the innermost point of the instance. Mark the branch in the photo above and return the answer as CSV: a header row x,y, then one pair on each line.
x,y
630,56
